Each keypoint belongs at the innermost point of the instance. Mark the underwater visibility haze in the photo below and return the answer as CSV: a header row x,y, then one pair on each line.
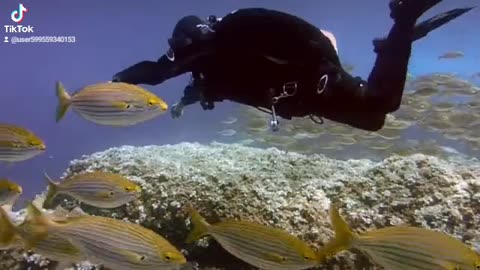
x,y
153,162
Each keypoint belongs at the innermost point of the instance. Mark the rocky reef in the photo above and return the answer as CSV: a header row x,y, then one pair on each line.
x,y
287,190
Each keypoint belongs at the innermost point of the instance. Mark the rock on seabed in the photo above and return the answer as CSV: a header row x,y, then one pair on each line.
x,y
286,190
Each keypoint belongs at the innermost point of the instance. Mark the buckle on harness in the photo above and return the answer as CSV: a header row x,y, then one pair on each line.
x,y
288,89
322,84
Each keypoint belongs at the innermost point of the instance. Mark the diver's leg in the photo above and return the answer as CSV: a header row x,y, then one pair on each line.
x,y
387,79
364,104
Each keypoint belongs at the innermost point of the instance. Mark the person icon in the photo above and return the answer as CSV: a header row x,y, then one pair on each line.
x,y
6,40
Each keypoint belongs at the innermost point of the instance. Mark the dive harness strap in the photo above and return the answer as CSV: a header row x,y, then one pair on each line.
x,y
290,89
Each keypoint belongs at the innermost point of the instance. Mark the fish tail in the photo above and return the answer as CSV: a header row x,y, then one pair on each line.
x,y
52,191
7,228
64,100
37,226
200,226
344,236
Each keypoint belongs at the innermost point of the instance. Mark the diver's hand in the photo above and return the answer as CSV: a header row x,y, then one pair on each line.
x,y
177,110
116,78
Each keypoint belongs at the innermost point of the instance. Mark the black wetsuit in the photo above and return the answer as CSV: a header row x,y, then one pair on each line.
x,y
277,61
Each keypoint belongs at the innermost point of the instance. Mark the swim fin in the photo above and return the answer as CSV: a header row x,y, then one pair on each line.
x,y
422,29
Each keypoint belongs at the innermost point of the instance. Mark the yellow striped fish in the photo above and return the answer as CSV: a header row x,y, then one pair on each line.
x,y
9,192
117,244
18,143
402,247
113,104
261,246
37,238
99,189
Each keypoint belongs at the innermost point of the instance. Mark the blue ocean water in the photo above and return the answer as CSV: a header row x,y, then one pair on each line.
x,y
113,35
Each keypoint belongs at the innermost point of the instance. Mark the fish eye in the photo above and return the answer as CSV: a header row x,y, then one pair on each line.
x,y
168,258
128,106
111,193
142,258
151,102
129,189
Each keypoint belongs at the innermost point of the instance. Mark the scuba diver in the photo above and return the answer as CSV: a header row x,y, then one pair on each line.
x,y
287,67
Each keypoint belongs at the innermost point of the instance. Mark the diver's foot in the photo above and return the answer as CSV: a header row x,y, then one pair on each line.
x,y
410,10
177,110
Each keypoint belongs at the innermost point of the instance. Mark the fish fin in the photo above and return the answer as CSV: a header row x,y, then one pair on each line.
x,y
8,231
274,257
59,214
200,226
343,238
133,257
39,201
64,101
450,266
104,194
52,191
7,207
121,105
37,224
35,215
77,212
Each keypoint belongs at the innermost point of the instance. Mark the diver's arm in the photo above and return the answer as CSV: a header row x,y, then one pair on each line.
x,y
187,45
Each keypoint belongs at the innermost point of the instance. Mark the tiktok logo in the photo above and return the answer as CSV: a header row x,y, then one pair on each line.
x,y
17,15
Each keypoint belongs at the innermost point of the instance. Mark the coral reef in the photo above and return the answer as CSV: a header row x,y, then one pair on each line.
x,y
287,190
